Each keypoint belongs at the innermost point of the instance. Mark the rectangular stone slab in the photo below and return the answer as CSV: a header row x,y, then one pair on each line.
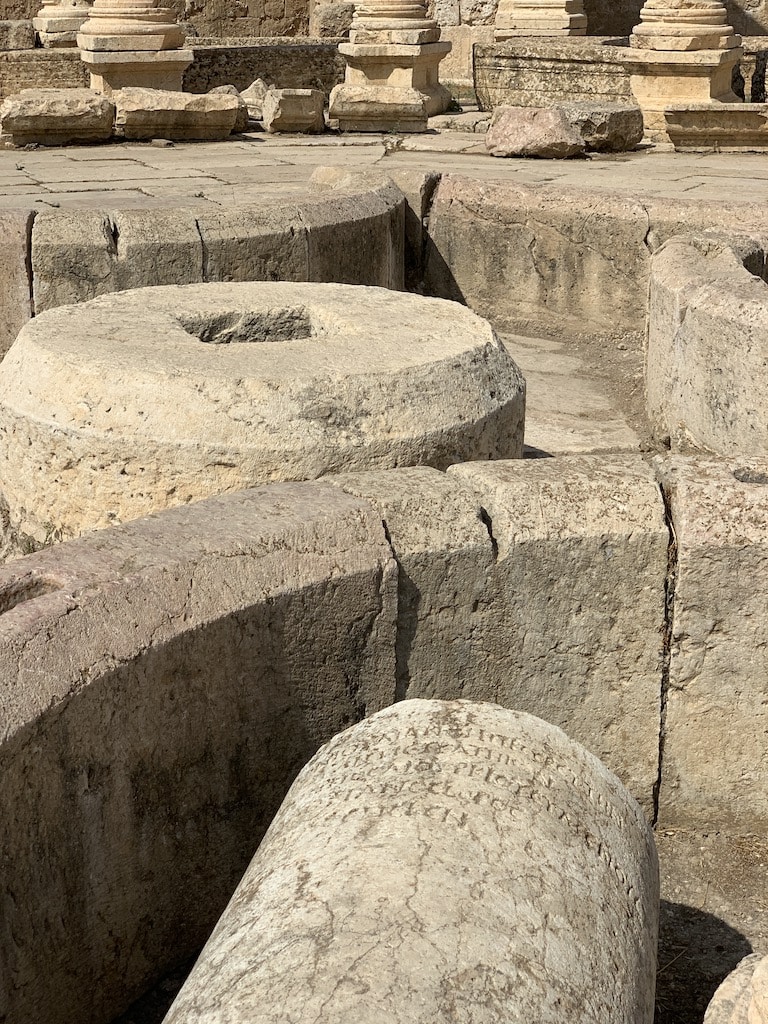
x,y
715,754
15,273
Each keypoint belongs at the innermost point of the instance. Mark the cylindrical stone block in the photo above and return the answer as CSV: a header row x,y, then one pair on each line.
x,y
441,861
149,398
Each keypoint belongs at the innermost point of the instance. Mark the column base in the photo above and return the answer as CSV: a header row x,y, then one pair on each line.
x,y
377,108
392,74
143,69
660,80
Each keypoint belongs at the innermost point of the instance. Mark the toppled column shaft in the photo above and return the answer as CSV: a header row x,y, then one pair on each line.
x,y
442,861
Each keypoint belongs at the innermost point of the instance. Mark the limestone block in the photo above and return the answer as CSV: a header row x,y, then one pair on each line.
x,y
539,586
441,861
446,559
417,187
741,998
533,131
73,257
722,127
158,113
254,243
356,238
715,763
162,685
111,70
543,72
56,117
15,284
576,608
361,108
293,110
243,117
16,35
707,324
614,128
254,98
162,396
331,19
544,255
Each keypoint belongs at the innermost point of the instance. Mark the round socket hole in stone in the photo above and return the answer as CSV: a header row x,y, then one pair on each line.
x,y
750,476
260,326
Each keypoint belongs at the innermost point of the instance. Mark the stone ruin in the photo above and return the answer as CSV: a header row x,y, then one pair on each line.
x,y
441,861
252,494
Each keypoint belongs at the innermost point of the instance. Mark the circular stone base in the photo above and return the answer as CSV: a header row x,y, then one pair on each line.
x,y
146,399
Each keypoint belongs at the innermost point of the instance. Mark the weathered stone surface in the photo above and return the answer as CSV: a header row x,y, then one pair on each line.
x,y
72,257
719,127
287,63
157,70
367,108
55,117
436,861
660,79
158,113
417,187
243,115
738,1000
539,586
549,258
161,686
715,762
539,18
683,25
16,35
356,238
331,19
581,565
293,110
164,396
706,351
544,72
15,284
253,97
538,254
255,243
614,128
533,131
77,255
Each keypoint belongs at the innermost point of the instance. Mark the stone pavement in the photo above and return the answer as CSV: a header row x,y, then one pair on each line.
x,y
250,167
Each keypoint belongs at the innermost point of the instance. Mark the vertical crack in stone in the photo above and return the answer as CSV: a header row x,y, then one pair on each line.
x,y
405,623
487,522
430,191
670,583
204,257
28,262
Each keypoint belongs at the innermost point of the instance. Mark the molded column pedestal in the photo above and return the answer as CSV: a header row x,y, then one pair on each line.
x,y
58,21
128,43
683,51
392,81
539,18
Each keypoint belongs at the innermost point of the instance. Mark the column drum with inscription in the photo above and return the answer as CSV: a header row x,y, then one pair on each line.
x,y
441,861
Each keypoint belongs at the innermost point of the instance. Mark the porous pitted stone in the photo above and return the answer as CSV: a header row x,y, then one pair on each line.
x,y
151,398
254,98
743,996
160,113
533,131
441,861
243,117
56,117
611,127
293,110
